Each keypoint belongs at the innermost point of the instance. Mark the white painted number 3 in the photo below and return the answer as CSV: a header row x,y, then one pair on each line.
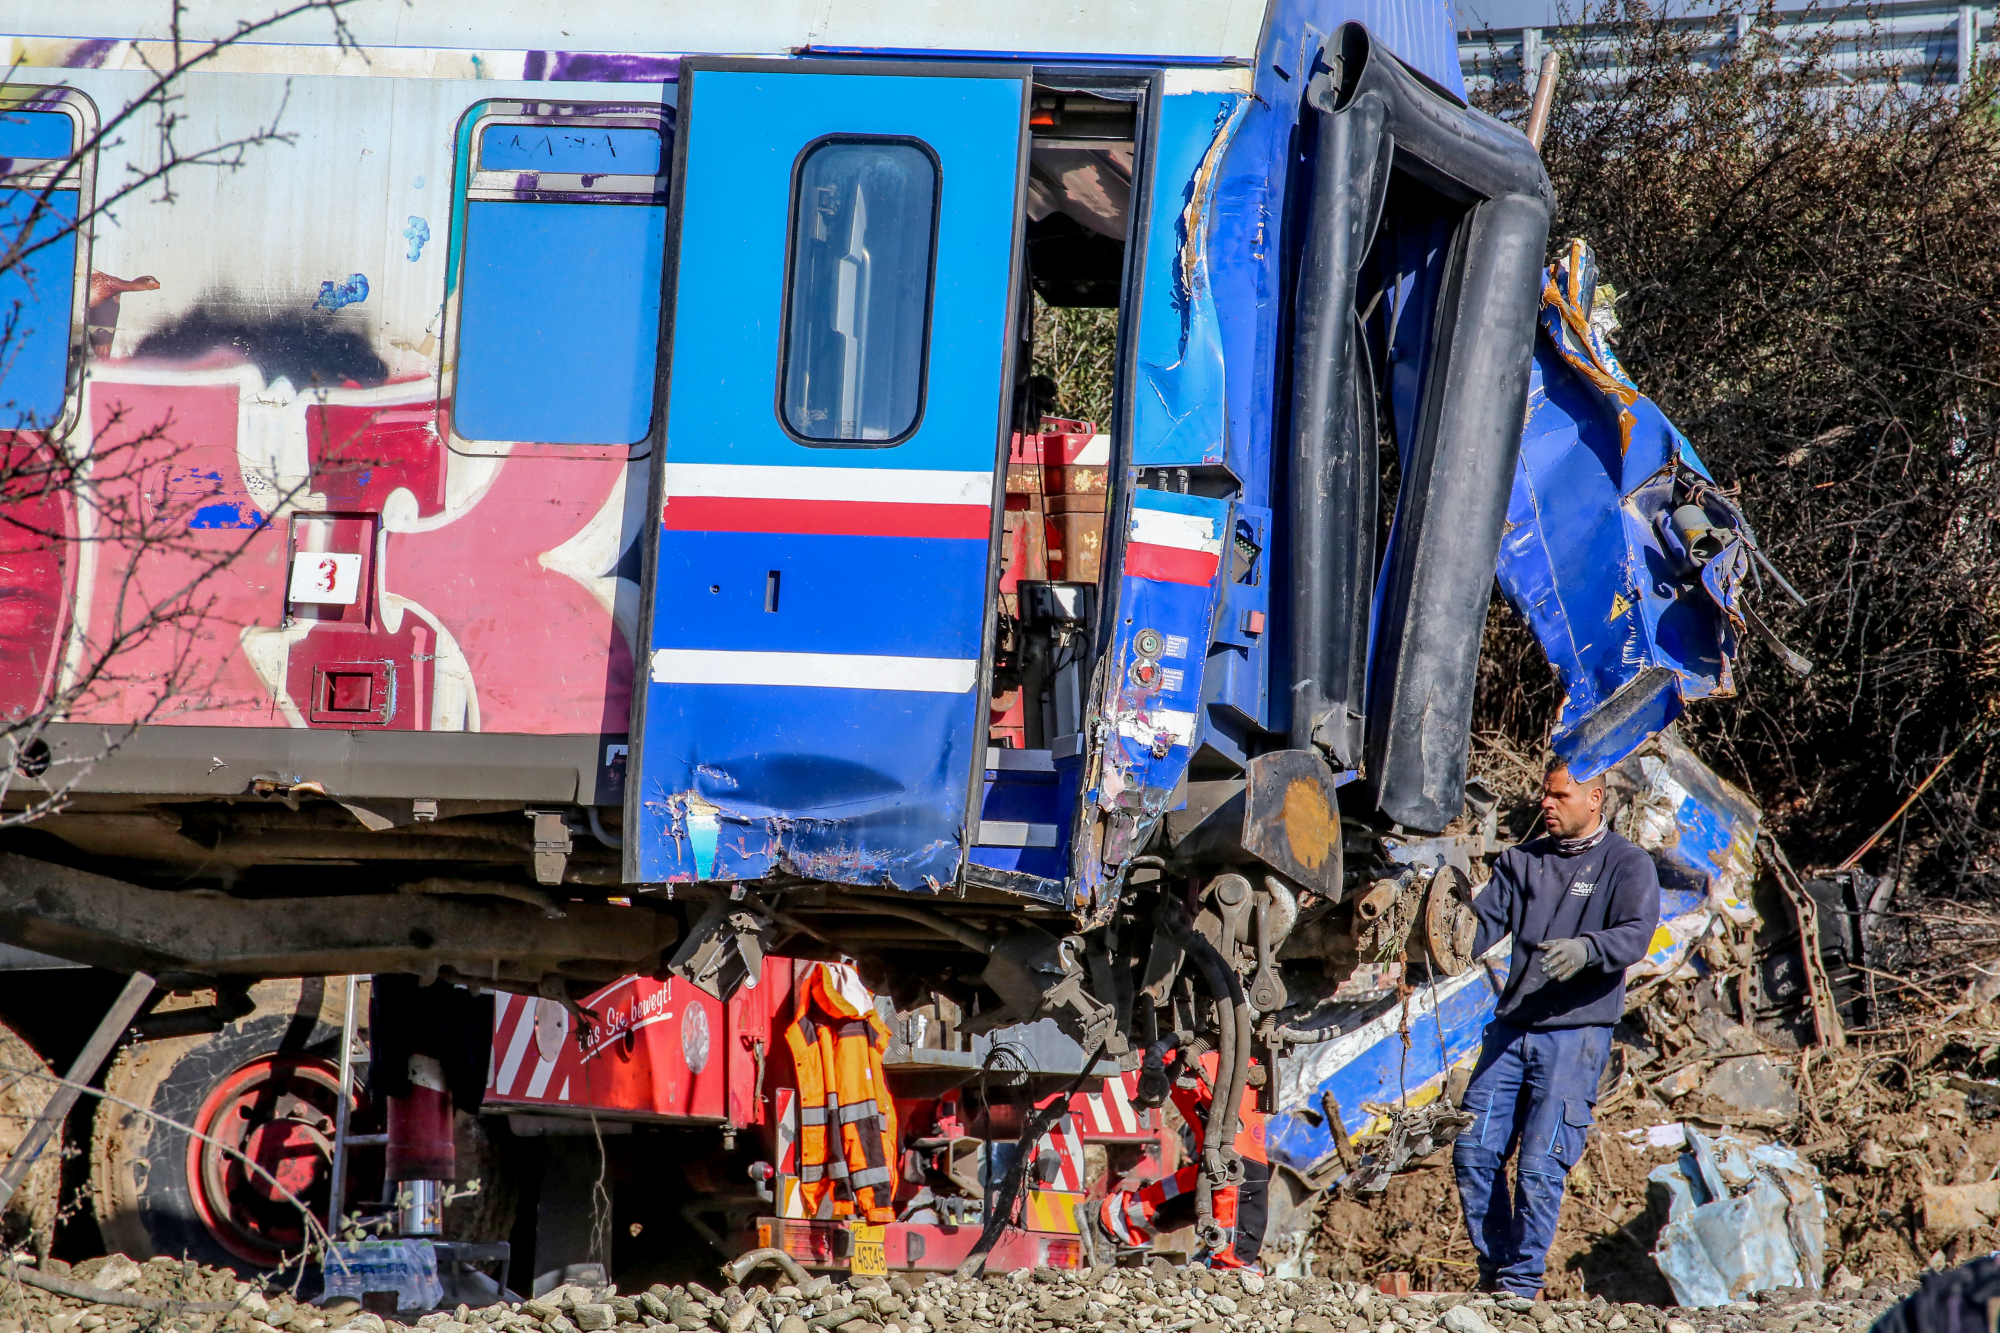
x,y
326,577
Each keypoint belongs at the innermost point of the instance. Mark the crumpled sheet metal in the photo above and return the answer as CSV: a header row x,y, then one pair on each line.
x,y
1633,625
1741,1218
1701,832
1413,1132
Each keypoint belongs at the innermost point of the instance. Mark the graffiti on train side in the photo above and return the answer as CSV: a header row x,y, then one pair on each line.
x,y
339,295
267,377
483,599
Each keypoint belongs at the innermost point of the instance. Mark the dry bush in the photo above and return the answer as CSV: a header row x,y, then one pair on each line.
x,y
1077,347
1806,264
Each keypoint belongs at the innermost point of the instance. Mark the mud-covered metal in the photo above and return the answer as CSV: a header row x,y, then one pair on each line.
x,y
1450,927
1291,819
1622,552
463,935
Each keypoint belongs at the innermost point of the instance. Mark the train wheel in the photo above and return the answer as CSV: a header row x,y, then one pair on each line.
x,y
25,1088
265,1086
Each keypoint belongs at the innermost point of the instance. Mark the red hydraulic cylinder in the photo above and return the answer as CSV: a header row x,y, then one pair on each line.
x,y
420,1143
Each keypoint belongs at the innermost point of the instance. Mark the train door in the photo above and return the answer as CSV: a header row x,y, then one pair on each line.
x,y
844,267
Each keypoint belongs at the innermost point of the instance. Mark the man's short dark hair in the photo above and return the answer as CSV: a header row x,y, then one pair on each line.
x,y
1558,764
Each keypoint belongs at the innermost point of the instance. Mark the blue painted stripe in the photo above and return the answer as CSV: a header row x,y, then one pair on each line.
x,y
902,596
1173,502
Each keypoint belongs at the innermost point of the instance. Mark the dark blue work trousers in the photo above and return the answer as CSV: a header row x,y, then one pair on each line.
x,y
1535,1092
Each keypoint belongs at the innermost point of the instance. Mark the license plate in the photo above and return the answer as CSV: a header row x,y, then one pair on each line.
x,y
871,1257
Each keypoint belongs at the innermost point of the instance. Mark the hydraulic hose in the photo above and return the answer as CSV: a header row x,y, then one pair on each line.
x,y
1154,1089
1232,1064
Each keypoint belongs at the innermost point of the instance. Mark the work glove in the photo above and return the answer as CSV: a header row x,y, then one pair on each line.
x,y
1563,959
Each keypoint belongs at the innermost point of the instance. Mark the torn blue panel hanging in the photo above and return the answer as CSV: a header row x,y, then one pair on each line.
x,y
1621,552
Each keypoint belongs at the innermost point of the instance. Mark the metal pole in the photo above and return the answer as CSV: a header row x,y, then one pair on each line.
x,y
1545,96
1855,856
337,1195
88,1061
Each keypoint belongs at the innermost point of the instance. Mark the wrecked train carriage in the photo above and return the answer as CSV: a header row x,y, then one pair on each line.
x,y
1610,508
598,498
434,559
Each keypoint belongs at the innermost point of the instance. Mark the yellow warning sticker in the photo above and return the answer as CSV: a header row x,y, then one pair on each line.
x,y
1619,606
1053,1210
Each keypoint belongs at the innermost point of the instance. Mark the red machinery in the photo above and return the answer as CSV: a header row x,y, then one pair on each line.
x,y
666,1053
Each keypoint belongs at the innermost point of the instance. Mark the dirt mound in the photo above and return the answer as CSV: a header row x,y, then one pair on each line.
x,y
1888,1122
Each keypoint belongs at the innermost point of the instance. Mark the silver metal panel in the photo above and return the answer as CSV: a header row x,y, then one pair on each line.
x,y
223,761
16,959
1188,29
1013,833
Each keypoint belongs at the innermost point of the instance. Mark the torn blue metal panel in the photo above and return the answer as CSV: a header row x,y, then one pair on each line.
x,y
1620,552
1179,406
1151,685
1371,1064
1700,830
1235,682
1247,258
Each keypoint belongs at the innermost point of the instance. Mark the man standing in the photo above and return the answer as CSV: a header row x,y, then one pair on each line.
x,y
1582,904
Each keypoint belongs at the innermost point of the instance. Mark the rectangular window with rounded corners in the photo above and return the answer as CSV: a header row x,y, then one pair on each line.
x,y
559,285
44,263
857,305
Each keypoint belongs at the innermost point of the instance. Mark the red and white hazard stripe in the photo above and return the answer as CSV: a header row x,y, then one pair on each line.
x,y
790,1202
519,1067
1067,1145
788,1132
1109,1114
1173,548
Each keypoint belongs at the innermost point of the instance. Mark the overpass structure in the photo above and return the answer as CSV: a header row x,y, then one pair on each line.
x,y
1917,42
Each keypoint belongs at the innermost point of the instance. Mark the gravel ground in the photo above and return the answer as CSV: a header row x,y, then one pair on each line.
x,y
1127,1300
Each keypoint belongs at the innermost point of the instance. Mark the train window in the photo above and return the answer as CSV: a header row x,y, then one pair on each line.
x,y
864,226
559,290
43,261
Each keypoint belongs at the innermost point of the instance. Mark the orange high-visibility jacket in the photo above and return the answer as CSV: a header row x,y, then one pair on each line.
x,y
847,1121
1193,1104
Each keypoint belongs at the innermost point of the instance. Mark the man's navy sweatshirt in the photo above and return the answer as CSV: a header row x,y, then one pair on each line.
x,y
1607,896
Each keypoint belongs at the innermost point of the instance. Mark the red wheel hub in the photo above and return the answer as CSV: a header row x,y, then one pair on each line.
x,y
278,1112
